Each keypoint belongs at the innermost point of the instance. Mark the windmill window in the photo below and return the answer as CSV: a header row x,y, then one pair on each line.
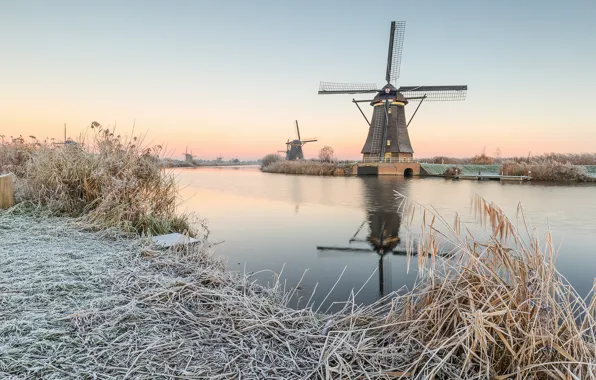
x,y
388,142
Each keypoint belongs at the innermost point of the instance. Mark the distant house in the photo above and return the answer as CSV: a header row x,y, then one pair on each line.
x,y
67,142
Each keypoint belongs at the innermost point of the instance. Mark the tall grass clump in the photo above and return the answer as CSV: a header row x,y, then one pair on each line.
x,y
107,180
15,153
496,309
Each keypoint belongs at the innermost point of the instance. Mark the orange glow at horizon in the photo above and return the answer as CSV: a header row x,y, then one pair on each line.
x,y
208,143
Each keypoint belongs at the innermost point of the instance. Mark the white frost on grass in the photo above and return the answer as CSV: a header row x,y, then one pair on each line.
x,y
76,304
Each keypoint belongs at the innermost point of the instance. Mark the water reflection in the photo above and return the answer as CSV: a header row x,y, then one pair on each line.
x,y
382,228
255,214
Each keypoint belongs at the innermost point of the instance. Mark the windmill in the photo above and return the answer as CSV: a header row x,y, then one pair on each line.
x,y
188,157
294,147
388,139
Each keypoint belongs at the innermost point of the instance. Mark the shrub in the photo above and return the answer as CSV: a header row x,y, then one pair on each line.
x,y
269,159
452,171
326,154
482,159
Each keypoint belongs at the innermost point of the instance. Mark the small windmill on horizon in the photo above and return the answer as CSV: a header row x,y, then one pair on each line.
x,y
188,157
388,138
294,148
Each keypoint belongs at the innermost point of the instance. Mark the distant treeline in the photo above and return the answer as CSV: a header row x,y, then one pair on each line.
x,y
172,163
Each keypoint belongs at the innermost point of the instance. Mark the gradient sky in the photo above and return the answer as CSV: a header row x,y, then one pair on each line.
x,y
230,77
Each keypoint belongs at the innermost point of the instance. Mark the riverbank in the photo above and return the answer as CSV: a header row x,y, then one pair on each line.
x,y
317,168
78,303
547,171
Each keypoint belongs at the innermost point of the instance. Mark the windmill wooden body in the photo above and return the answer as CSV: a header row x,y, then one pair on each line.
x,y
388,139
294,148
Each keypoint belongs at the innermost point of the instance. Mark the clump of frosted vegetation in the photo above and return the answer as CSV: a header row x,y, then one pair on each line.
x,y
107,179
270,159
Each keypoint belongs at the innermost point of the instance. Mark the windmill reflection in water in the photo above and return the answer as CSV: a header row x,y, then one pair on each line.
x,y
383,221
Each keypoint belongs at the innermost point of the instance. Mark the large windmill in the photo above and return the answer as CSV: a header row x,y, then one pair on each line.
x,y
388,139
294,147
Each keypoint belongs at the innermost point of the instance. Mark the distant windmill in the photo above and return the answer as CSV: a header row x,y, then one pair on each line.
x,y
294,147
388,137
220,158
188,157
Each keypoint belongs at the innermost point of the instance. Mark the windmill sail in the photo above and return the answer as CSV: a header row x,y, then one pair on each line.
x,y
347,88
435,93
297,130
396,43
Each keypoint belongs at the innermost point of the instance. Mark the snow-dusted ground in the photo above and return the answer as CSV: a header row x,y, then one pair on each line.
x,y
77,304
49,271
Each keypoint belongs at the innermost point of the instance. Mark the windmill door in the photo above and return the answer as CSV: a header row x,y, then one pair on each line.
x,y
387,157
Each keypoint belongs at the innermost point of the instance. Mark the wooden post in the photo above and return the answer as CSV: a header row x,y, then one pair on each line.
x,y
6,191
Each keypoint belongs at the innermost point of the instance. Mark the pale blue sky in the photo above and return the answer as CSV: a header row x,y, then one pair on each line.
x,y
231,76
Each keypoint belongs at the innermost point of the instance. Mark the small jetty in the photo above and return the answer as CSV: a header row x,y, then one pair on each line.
x,y
492,177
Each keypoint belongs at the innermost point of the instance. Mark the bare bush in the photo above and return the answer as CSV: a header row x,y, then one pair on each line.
x,y
326,154
269,159
482,159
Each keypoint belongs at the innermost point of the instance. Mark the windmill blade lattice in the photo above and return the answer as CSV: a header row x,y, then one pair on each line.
x,y
347,88
435,93
396,44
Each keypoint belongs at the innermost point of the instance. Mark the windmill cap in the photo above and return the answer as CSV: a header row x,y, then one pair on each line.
x,y
392,91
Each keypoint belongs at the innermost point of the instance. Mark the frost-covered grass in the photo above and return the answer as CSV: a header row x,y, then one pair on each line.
x,y
80,304
548,171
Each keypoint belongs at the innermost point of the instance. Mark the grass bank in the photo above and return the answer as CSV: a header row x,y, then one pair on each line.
x,y
483,159
562,167
550,170
308,167
538,171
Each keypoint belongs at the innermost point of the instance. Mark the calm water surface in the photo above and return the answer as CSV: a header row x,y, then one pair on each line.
x,y
273,221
